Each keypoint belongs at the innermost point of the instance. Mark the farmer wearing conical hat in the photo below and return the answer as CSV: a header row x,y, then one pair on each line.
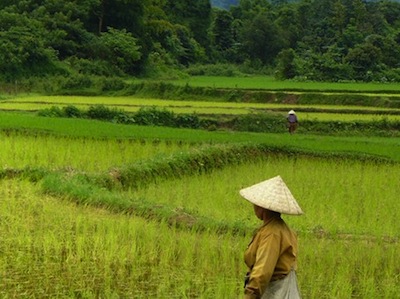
x,y
271,256
292,121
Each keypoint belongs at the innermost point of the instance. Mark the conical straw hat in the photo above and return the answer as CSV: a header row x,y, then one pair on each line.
x,y
291,112
274,195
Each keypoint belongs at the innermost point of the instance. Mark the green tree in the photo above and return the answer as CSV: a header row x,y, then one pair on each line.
x,y
121,14
390,11
262,39
63,22
288,21
364,59
247,9
23,50
195,15
120,48
286,68
359,16
390,49
339,18
222,33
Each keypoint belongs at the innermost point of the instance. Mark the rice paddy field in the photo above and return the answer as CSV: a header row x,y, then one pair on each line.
x,y
270,83
73,225
89,155
34,103
53,247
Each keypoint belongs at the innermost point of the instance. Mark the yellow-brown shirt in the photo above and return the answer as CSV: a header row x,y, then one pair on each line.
x,y
270,256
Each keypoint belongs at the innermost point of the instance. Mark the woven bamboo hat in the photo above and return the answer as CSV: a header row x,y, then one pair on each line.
x,y
274,195
291,112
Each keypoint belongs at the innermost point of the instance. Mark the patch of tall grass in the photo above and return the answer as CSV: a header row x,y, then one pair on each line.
x,y
268,82
348,117
345,268
51,247
379,146
56,249
80,154
339,196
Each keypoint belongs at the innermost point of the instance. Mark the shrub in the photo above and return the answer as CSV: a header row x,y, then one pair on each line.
x,y
124,118
259,123
227,70
93,67
187,121
112,84
71,111
155,117
77,82
54,111
210,124
102,112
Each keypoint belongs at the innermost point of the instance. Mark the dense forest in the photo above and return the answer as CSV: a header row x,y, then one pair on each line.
x,y
226,4
321,40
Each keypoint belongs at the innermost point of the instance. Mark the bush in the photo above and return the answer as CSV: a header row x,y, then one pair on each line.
x,y
93,67
71,111
77,82
259,123
54,111
154,117
187,121
227,70
112,84
102,112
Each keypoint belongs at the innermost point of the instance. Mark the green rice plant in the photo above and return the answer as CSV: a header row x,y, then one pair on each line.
x,y
59,249
357,202
134,103
29,124
346,117
69,237
268,82
345,268
78,154
56,249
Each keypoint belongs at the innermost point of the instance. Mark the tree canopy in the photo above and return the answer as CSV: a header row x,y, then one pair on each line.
x,y
330,40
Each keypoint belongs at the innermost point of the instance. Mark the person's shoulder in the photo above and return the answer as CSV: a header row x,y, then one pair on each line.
x,y
272,226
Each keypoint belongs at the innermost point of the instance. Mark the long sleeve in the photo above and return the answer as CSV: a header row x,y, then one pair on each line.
x,y
267,254
270,256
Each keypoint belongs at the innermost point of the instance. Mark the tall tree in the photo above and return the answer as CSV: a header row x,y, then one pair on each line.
x,y
364,59
391,12
262,39
222,34
23,50
288,21
121,49
195,15
122,14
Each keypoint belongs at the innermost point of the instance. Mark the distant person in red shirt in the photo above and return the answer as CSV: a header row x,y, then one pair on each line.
x,y
292,121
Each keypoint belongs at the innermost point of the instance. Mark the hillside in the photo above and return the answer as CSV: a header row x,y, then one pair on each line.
x,y
81,44
225,4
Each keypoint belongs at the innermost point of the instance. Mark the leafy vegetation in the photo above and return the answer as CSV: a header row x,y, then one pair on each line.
x,y
78,42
